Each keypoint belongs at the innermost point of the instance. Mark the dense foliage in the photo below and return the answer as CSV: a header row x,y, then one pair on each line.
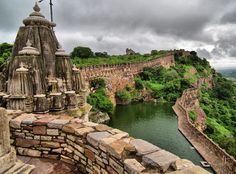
x,y
5,52
103,58
220,106
99,99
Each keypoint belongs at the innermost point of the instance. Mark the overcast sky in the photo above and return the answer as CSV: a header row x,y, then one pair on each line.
x,y
206,26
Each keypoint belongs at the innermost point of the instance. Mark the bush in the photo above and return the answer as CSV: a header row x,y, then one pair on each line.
x,y
139,84
101,54
82,52
99,100
98,83
124,96
192,115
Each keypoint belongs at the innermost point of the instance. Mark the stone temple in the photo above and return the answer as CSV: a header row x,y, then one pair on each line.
x,y
40,76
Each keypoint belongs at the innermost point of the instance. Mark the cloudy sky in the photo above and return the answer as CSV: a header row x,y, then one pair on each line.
x,y
207,26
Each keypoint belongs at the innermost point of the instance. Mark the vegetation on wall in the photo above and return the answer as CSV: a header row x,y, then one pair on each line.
x,y
98,98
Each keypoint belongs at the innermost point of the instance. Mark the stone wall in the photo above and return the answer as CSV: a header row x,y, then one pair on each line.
x,y
93,148
217,157
119,76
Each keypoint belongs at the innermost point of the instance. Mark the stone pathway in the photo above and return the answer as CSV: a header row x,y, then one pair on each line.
x,y
48,166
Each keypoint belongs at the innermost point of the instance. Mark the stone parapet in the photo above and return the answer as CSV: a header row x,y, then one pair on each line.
x,y
93,148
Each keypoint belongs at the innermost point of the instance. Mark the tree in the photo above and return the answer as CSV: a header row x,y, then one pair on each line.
x,y
82,52
101,54
154,52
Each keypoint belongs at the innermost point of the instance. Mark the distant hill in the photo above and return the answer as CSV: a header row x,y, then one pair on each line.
x,y
229,73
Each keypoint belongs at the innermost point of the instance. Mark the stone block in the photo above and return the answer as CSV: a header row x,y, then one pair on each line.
x,y
58,123
105,142
44,120
180,164
89,154
83,131
161,159
29,120
96,137
26,142
53,132
16,122
54,145
121,135
70,128
143,147
111,170
28,152
46,138
39,130
132,166
116,149
191,170
102,127
90,124
116,166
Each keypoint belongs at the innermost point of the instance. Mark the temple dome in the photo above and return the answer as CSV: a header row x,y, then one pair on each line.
x,y
36,18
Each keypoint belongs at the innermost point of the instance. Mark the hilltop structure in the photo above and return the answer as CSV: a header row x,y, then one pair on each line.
x,y
40,76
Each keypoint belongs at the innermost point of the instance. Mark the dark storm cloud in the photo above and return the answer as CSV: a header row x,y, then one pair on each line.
x,y
204,53
113,25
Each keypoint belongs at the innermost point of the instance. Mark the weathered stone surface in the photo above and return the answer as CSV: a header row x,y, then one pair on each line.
x,y
46,138
143,147
132,166
44,120
83,131
116,149
39,130
180,164
26,143
96,137
50,144
161,159
16,123
29,120
105,142
116,166
70,128
121,135
58,123
89,154
191,170
90,124
102,127
28,152
54,132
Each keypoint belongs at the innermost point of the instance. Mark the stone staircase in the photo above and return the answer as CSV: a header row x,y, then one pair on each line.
x,y
19,168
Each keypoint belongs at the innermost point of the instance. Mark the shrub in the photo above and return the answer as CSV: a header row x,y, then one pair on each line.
x,y
192,115
154,52
139,84
124,96
99,100
98,83
101,54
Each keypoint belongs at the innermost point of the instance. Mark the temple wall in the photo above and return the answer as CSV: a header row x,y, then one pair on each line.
x,y
93,148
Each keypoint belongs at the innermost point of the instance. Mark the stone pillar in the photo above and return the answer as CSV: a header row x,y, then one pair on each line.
x,y
4,133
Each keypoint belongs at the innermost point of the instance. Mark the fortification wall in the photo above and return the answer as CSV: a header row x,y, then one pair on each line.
x,y
217,157
93,148
118,76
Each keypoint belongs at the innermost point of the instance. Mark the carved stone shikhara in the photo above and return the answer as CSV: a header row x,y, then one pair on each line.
x,y
40,76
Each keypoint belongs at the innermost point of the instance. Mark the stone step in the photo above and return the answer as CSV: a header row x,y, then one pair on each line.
x,y
26,169
20,168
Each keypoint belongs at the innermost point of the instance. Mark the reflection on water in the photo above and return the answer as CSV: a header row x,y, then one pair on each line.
x,y
157,124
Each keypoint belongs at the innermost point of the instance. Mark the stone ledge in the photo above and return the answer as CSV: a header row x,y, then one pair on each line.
x,y
92,146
